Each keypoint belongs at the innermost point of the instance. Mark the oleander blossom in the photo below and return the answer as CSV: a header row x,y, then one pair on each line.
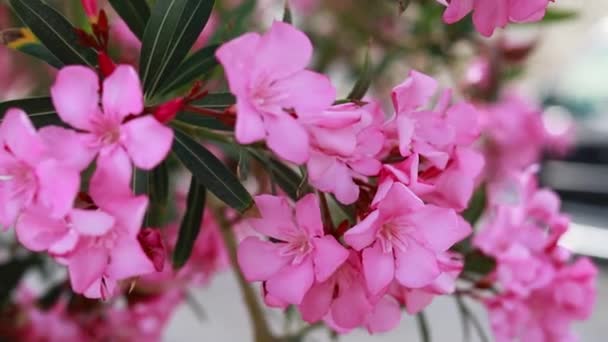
x,y
29,173
346,141
541,291
402,239
441,165
115,132
99,246
268,76
491,14
298,253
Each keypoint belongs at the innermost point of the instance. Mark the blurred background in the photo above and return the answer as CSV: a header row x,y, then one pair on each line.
x,y
567,74
561,66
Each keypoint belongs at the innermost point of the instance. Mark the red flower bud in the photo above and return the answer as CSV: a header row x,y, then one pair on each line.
x,y
168,110
152,244
106,65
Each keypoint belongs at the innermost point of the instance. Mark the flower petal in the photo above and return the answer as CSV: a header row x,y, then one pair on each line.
x,y
147,141
351,307
259,260
385,316
416,266
75,95
364,233
236,57
378,268
439,228
37,231
328,256
112,176
68,146
20,136
317,301
282,51
127,259
87,266
58,186
249,125
308,215
306,91
292,282
91,222
288,139
122,94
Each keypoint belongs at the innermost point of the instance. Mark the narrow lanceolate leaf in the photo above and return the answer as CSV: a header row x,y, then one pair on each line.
x,y
364,81
217,101
191,223
476,207
54,31
192,68
284,176
23,40
198,120
39,109
172,29
287,15
135,13
154,184
211,172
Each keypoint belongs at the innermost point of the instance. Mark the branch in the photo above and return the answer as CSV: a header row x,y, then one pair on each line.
x,y
256,313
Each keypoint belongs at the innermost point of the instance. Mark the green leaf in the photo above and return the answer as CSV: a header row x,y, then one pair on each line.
x,y
172,29
135,13
154,184
195,67
217,101
284,176
477,205
191,223
287,15
211,172
24,41
242,168
555,15
12,271
39,109
364,81
199,120
54,31
479,263
235,22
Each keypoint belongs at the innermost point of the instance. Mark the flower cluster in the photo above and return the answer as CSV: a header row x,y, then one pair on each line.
x,y
90,230
403,173
540,291
491,14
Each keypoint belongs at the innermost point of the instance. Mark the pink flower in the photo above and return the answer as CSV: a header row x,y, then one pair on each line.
x,y
431,133
416,300
267,75
547,313
90,8
449,188
99,246
28,174
115,131
345,140
402,238
144,319
488,15
343,302
298,254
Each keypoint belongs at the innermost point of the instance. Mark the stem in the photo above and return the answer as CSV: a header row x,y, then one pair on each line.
x,y
423,325
329,224
256,313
